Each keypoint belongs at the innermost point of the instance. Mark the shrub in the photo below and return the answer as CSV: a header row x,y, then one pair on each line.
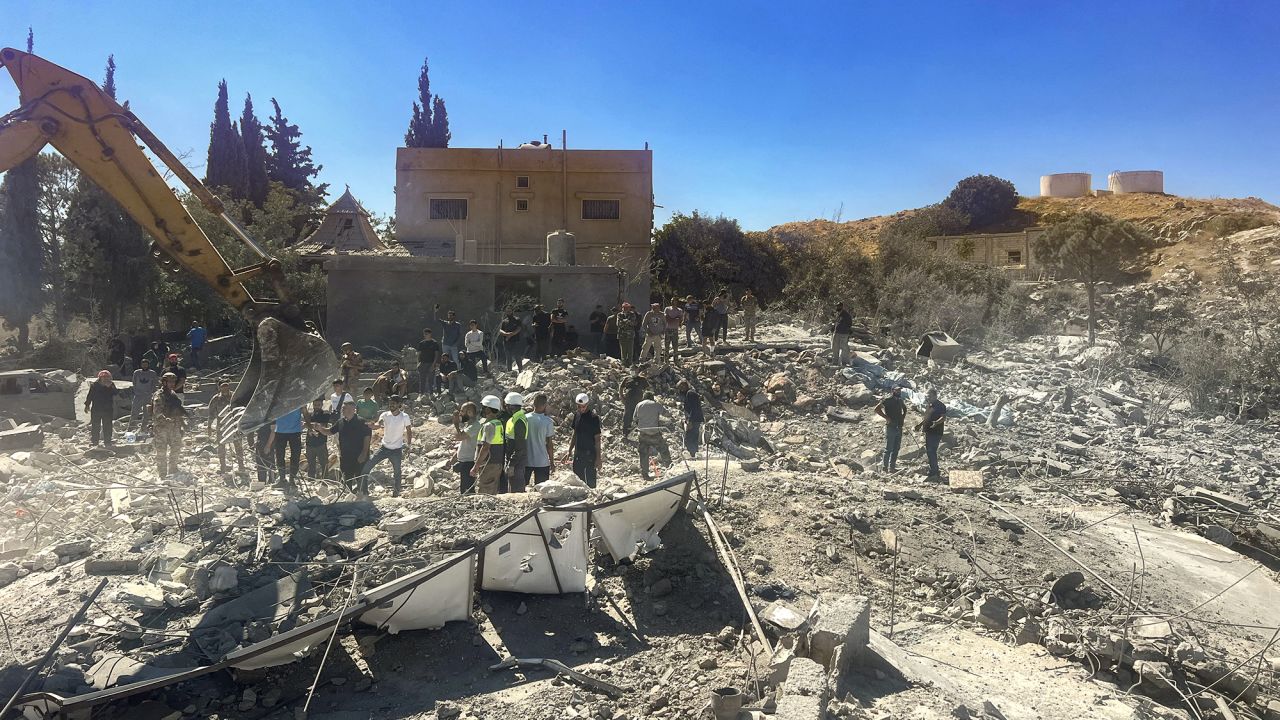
x,y
1232,223
986,199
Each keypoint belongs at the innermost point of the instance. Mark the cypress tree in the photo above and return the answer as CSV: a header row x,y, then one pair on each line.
x,y
255,153
226,167
290,164
440,134
421,128
22,267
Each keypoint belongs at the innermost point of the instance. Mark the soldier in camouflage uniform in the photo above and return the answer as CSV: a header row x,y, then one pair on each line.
x,y
628,321
168,419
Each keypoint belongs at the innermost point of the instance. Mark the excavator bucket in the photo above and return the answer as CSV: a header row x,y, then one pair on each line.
x,y
287,370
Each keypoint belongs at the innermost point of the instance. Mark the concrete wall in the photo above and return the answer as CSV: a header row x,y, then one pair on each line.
x,y
387,301
994,249
496,232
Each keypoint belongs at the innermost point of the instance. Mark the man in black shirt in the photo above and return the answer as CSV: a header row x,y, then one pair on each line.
x,y
894,411
353,443
318,442
934,415
100,404
840,333
179,372
596,327
585,442
691,404
512,351
428,360
541,333
559,328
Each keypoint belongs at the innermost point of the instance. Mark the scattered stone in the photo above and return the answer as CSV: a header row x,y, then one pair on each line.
x,y
1218,534
142,595
992,612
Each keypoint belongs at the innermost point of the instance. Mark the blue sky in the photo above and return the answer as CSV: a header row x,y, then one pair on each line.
x,y
763,111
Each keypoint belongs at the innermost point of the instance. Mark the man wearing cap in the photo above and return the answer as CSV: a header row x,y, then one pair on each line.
x,y
145,382
894,411
649,414
100,404
397,439
540,445
655,327
217,404
179,373
168,420
490,447
516,433
628,322
632,390
585,444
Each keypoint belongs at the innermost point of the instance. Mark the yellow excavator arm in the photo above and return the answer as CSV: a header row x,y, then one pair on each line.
x,y
288,367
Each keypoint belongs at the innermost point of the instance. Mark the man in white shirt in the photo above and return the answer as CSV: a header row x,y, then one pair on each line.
x,y
473,346
540,445
339,397
397,437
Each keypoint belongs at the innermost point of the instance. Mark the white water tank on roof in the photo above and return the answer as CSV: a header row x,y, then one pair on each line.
x,y
1136,181
1065,185
562,249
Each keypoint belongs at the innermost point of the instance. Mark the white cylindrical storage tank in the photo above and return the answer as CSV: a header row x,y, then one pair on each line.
x,y
1066,185
1136,181
561,248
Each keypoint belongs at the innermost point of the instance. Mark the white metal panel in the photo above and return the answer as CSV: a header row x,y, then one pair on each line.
x,y
630,525
424,599
545,552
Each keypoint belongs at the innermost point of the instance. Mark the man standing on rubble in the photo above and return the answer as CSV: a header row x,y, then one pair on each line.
x,y
674,315
179,373
631,390
466,430
749,306
541,333
397,441
450,332
509,332
540,446
894,411
168,420
935,413
611,348
287,440
516,433
428,360
649,415
691,405
217,425
840,333
628,321
144,387
317,442
100,403
352,366
559,328
340,396
585,443
595,324
353,445
490,447
196,337
655,327
721,307
692,321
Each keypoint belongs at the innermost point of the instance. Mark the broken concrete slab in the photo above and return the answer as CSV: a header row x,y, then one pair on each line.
x,y
142,595
799,707
113,566
965,479
842,621
397,527
807,678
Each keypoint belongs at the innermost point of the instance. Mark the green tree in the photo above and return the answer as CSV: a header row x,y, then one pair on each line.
x,y
1146,314
986,199
255,154
440,135
226,167
900,242
290,164
696,255
21,249
421,132
59,180
1092,248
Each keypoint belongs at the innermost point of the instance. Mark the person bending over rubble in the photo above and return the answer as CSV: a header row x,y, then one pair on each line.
x,y
649,414
516,432
540,446
168,420
100,403
585,443
894,411
934,415
490,447
466,430
217,424
397,441
354,436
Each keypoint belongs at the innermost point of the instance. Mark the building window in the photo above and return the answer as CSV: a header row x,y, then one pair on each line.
x,y
522,181
347,223
518,293
522,205
1013,257
448,209
601,209
932,245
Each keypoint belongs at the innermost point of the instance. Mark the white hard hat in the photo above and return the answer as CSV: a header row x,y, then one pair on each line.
x,y
492,402
514,398
583,399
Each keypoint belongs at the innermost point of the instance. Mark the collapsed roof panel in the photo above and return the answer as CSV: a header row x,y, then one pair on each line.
x,y
425,599
544,552
629,525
